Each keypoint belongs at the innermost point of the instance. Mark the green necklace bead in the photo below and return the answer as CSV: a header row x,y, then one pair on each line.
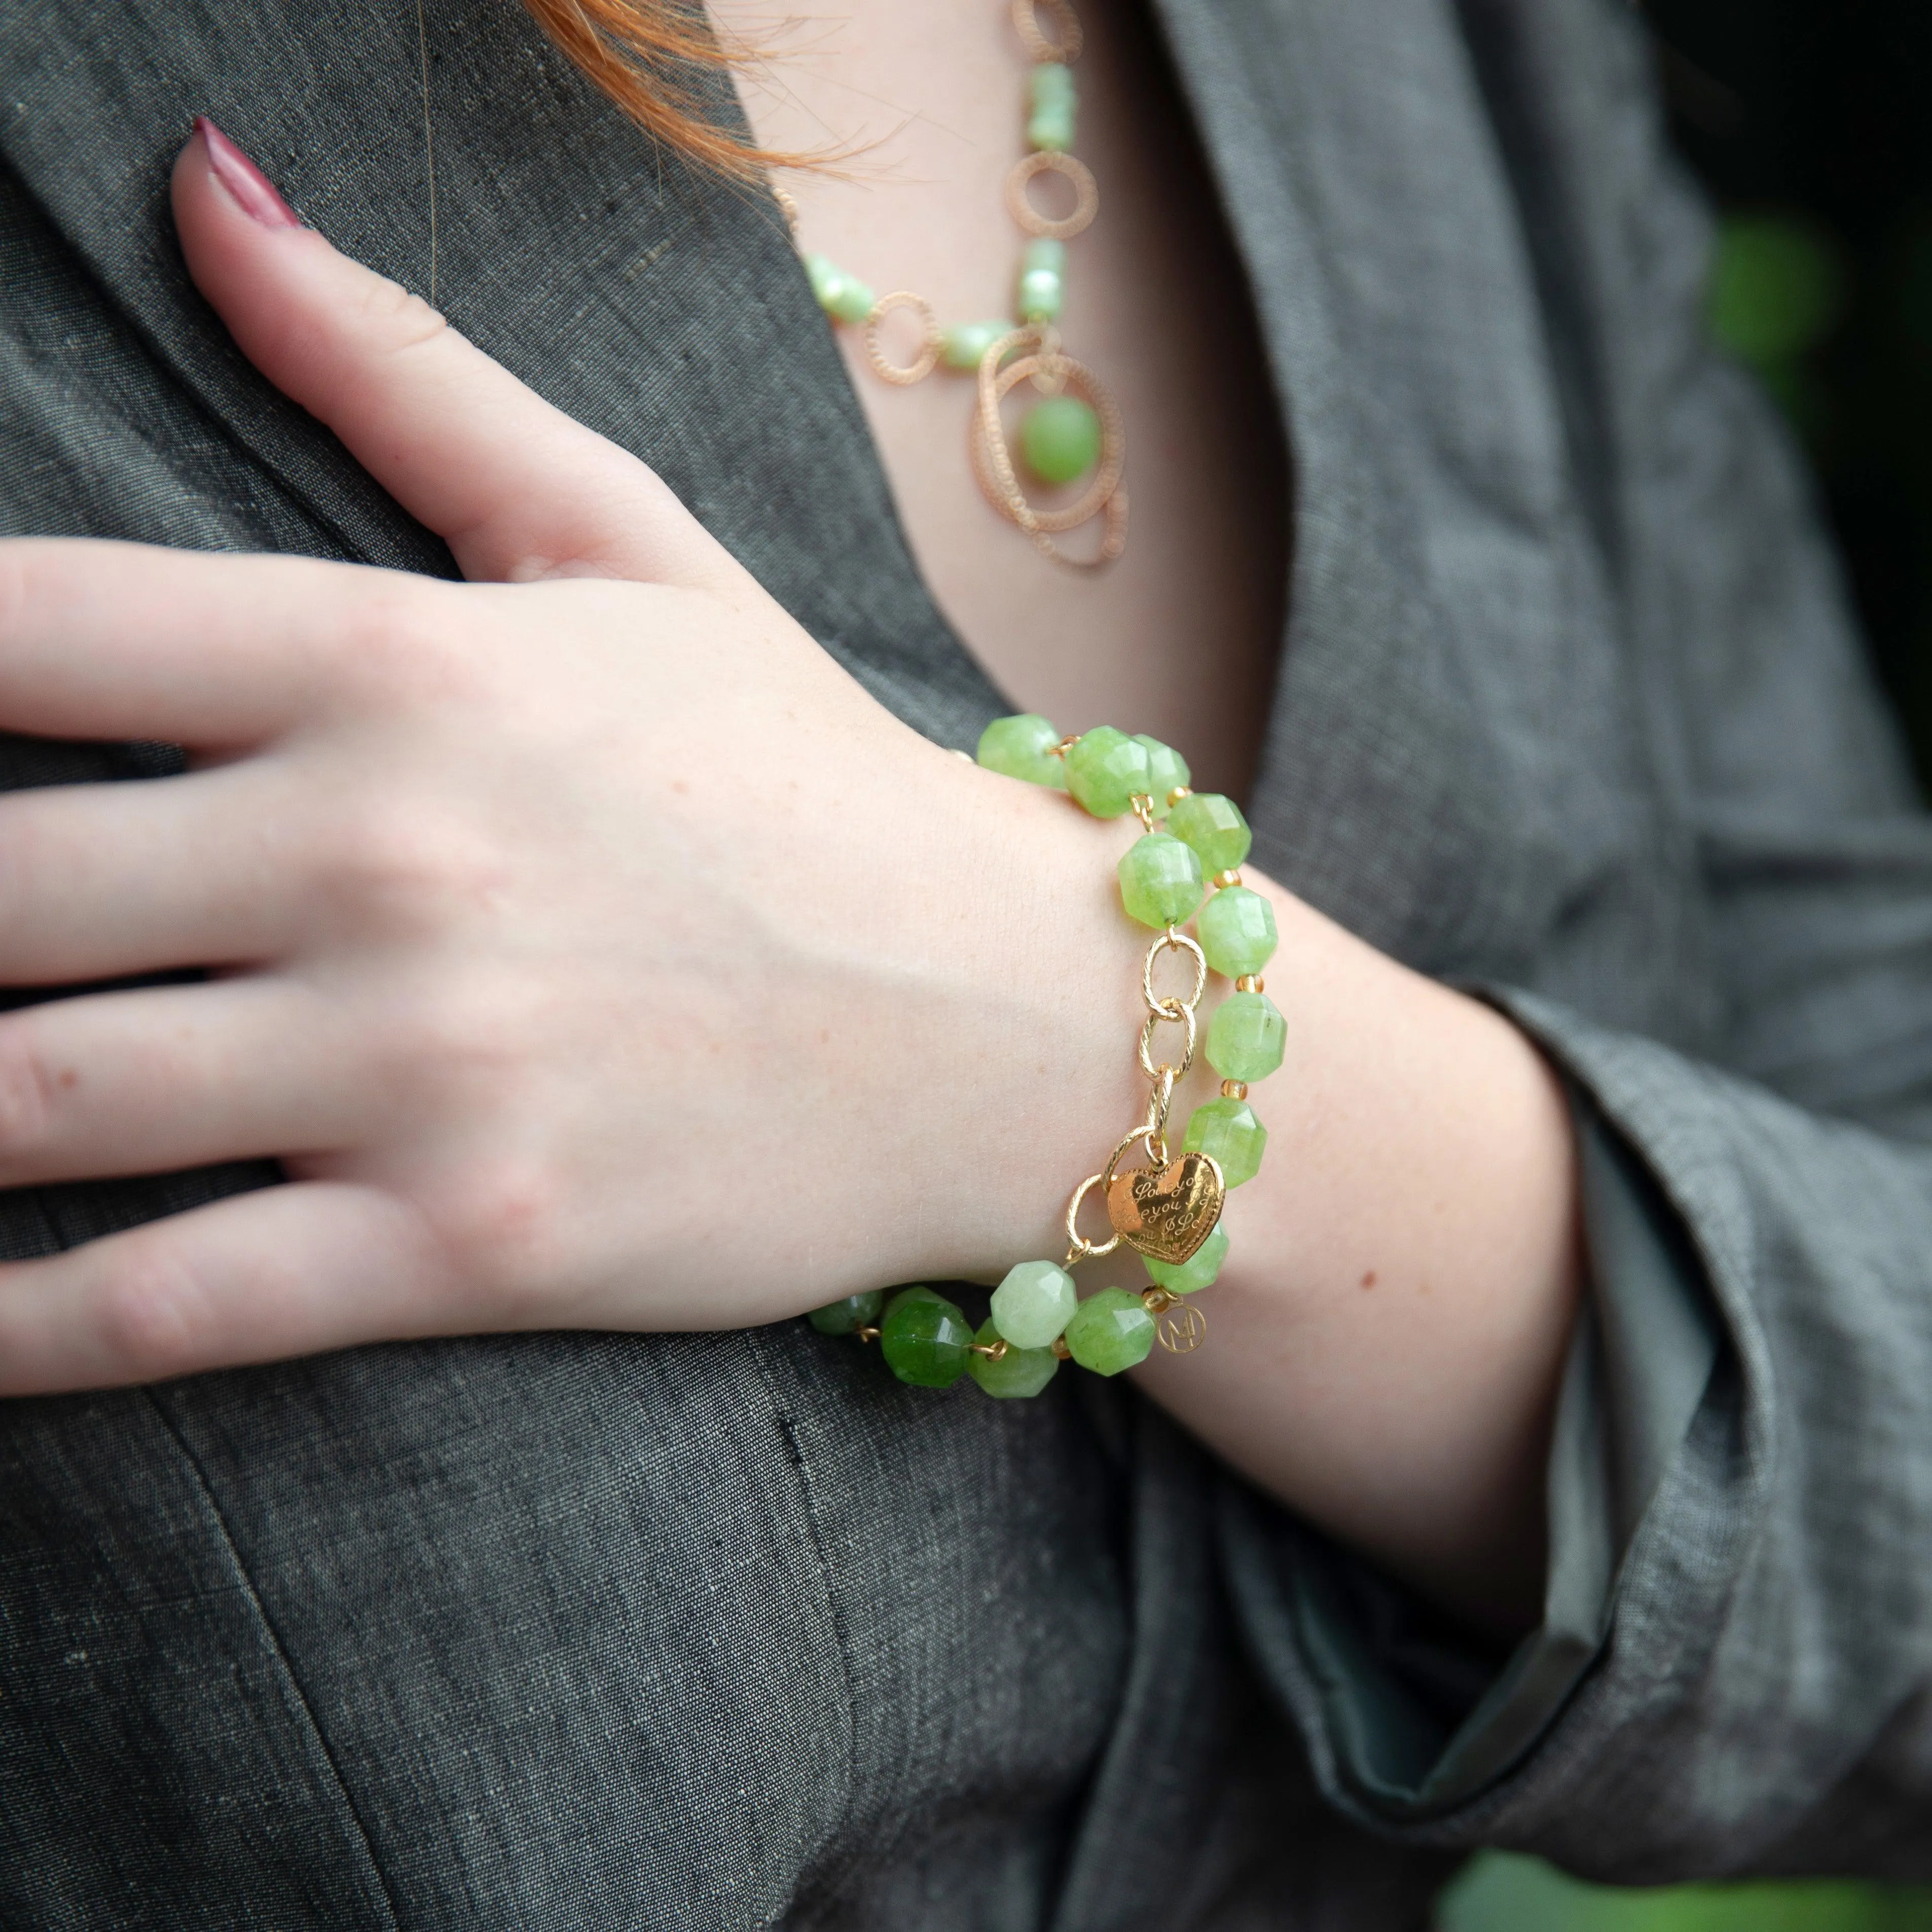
x,y
1043,270
1160,880
963,345
1227,1131
1213,826
1022,748
925,1338
1060,439
1112,1331
1106,769
1246,1037
1197,1272
839,295
1238,931
1054,100
847,1317
1019,1373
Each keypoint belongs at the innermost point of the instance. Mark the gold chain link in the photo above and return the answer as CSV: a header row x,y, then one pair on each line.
x,y
1169,1009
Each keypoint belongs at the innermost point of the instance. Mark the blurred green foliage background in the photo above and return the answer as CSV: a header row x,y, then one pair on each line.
x,y
1498,1894
1810,122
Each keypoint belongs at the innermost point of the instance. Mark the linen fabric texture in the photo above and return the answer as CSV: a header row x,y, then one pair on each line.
x,y
729,1631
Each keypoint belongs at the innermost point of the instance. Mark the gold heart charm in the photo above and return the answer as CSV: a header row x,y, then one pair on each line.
x,y
1167,1212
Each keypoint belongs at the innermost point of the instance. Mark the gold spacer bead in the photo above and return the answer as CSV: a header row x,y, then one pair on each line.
x,y
1156,1300
1061,1349
1224,879
866,1334
1234,1090
1179,792
1251,982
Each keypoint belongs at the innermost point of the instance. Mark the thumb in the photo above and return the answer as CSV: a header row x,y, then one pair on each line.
x,y
517,489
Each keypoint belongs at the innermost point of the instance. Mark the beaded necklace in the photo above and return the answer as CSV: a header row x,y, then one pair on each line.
x,y
1073,432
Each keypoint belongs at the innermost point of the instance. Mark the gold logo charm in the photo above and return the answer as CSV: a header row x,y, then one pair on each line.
x,y
1167,1212
1183,1329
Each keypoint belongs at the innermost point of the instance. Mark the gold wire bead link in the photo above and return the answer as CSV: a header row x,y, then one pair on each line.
x,y
1078,1248
1153,1068
1173,940
1251,982
1066,24
1061,1350
903,374
866,1334
1050,362
1234,1090
1179,792
1223,880
1052,161
1156,1300
1142,803
994,1352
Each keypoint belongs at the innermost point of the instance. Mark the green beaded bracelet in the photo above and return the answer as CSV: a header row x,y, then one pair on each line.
x,y
1168,1211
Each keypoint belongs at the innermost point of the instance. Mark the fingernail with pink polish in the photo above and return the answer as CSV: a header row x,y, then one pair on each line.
x,y
250,188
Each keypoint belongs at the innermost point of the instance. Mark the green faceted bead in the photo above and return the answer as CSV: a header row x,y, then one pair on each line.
x,y
1112,1331
1237,929
1105,770
1022,748
1213,826
1060,439
1051,130
1042,271
839,294
1227,1131
925,1339
1032,1306
1197,1272
846,1317
1167,771
963,345
1160,880
1019,1372
1246,1037
1053,98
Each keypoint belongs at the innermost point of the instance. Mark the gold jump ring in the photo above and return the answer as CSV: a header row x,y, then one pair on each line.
x,y
1154,1018
1079,1248
1173,941
1086,194
908,372
1066,23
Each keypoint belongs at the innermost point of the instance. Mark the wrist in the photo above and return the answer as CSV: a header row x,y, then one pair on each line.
x,y
1023,1076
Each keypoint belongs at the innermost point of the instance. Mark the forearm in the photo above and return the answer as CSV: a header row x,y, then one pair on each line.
x,y
1389,1331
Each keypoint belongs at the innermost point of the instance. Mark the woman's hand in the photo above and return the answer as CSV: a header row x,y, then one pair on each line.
x,y
591,948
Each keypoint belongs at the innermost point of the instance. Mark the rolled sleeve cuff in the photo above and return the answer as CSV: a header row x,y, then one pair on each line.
x,y
1411,1720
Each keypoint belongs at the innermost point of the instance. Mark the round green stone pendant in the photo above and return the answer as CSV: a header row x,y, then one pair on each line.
x,y
1060,439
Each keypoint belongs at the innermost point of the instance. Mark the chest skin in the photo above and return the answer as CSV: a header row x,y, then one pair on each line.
x,y
1180,636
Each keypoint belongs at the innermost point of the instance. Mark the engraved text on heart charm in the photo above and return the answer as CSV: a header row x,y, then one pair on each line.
x,y
1167,1212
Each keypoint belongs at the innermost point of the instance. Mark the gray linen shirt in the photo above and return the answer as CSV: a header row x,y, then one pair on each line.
x,y
727,1631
